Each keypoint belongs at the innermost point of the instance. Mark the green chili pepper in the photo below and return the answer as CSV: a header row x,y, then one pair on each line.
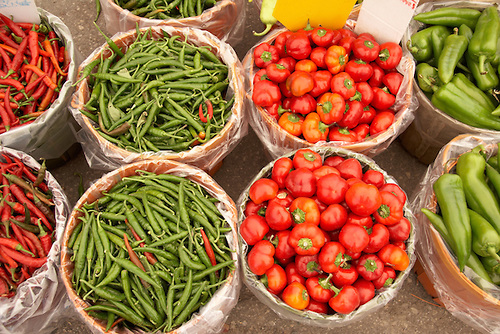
x,y
484,80
454,48
483,44
427,77
450,16
266,16
450,196
480,198
420,43
485,240
470,89
491,264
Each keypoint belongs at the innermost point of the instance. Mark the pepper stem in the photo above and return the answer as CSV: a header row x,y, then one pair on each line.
x,y
491,250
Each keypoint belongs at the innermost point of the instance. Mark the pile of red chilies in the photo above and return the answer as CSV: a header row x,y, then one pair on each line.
x,y
27,223
33,67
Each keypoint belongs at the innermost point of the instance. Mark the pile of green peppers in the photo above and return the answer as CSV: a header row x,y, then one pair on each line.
x,y
458,58
468,215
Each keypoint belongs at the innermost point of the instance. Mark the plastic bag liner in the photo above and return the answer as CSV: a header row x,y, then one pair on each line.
x,y
32,306
50,135
101,154
382,296
432,128
278,142
459,292
226,20
211,317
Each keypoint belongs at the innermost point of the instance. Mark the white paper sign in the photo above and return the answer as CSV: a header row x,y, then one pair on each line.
x,y
386,20
20,10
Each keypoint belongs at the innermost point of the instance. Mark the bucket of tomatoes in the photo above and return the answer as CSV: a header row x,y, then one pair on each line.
x,y
326,236
331,88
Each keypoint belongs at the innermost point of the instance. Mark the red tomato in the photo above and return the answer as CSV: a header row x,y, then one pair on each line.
x,y
333,217
346,301
261,257
374,177
283,249
301,182
331,189
350,168
306,158
304,210
263,190
277,217
379,237
366,290
253,229
295,295
274,279
292,275
331,256
319,288
391,210
307,265
354,237
399,231
363,199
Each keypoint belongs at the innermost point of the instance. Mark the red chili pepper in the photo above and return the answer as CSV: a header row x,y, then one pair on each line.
x,y
45,239
7,259
13,244
55,45
48,81
208,248
150,257
5,118
32,247
19,235
24,259
133,257
37,245
6,277
8,106
16,29
46,45
9,42
12,82
62,54
17,61
210,111
6,58
21,197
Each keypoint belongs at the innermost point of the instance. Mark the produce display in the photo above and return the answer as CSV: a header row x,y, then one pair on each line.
x,y
328,85
325,235
468,213
150,252
161,93
28,223
33,69
458,59
164,10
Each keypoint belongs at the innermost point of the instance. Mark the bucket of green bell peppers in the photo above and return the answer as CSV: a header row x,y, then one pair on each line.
x,y
458,212
457,50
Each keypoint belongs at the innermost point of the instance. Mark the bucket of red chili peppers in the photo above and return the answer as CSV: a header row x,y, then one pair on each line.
x,y
443,115
471,294
34,210
331,88
223,18
165,259
326,236
173,93
36,120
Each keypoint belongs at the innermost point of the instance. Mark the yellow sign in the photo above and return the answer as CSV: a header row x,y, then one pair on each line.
x,y
293,14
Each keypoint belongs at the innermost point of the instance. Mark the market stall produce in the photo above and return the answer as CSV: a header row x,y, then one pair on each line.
x,y
331,88
161,92
327,236
152,246
34,211
454,45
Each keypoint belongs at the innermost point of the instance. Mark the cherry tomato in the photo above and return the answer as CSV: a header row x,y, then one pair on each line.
x,y
301,183
292,275
277,217
345,301
363,199
379,237
253,229
274,279
304,210
333,217
319,288
307,265
366,290
295,295
306,158
400,231
354,237
263,190
331,189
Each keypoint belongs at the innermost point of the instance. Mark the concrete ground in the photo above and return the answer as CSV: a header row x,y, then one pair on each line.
x,y
411,311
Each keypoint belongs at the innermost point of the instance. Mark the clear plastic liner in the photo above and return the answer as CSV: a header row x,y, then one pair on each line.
x,y
382,296
459,292
50,135
279,142
226,20
102,154
33,305
211,317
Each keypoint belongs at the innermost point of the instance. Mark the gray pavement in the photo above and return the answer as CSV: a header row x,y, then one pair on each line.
x,y
411,311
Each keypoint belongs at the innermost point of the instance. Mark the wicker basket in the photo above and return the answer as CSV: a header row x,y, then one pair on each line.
x,y
207,156
213,314
278,141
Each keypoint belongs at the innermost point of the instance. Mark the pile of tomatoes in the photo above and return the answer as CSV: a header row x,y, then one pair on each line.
x,y
328,85
324,235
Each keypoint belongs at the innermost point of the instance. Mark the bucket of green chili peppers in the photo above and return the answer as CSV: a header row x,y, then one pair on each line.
x,y
160,92
223,18
457,209
152,247
456,47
